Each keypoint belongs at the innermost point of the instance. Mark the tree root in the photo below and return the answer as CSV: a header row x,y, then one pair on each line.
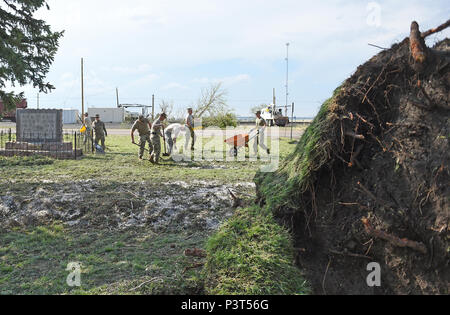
x,y
396,241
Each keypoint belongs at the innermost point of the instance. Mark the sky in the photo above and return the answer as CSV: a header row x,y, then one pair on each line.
x,y
175,48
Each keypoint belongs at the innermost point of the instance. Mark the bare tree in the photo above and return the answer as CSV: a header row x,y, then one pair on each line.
x,y
256,108
212,101
166,107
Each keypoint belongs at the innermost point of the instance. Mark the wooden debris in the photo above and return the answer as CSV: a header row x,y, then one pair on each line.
x,y
195,253
435,30
396,241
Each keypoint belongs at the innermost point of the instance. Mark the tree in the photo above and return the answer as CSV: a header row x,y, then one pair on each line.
x,y
212,101
27,48
166,107
256,108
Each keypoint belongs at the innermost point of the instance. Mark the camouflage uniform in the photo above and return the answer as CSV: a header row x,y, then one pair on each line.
x,y
88,132
156,141
99,133
144,135
190,120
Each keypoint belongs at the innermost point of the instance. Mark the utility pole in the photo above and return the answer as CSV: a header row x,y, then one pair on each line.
x,y
82,91
287,77
38,101
274,100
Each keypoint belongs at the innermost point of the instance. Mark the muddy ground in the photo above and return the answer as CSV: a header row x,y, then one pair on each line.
x,y
169,207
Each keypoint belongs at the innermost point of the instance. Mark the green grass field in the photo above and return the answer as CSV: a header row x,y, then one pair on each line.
x,y
116,259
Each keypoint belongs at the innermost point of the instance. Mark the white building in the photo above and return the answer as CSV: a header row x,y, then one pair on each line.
x,y
108,115
70,116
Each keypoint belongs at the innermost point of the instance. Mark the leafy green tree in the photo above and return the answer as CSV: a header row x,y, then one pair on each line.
x,y
27,48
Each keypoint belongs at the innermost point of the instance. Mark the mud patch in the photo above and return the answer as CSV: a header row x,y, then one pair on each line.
x,y
176,206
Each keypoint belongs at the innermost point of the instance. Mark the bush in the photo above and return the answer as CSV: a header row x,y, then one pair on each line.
x,y
222,121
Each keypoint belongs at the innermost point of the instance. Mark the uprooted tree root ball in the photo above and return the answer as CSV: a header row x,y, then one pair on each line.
x,y
369,180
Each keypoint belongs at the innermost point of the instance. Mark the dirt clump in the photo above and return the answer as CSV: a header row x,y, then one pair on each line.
x,y
370,180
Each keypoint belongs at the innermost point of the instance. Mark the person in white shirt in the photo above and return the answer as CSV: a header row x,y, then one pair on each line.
x,y
260,127
171,134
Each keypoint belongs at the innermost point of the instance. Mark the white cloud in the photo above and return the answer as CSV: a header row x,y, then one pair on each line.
x,y
131,44
227,81
174,86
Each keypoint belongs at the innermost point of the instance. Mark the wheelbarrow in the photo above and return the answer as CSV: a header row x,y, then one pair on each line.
x,y
239,141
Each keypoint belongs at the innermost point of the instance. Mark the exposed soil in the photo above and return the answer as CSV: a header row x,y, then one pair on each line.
x,y
196,206
399,180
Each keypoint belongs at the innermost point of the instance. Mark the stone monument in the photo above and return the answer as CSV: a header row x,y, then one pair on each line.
x,y
40,132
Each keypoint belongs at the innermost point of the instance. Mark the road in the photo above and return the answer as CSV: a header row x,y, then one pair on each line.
x,y
118,130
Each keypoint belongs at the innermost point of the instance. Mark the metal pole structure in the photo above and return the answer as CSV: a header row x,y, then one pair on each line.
x,y
82,91
153,107
117,97
292,121
38,101
287,77
274,98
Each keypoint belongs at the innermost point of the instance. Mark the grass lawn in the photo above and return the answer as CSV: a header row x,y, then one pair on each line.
x,y
85,212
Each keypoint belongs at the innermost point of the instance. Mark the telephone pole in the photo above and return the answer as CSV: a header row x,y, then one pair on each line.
x,y
82,91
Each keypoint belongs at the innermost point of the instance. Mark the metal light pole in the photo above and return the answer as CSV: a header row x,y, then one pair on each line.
x,y
287,77
82,91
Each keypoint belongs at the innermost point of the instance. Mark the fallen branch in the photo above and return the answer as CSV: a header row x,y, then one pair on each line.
x,y
435,30
396,241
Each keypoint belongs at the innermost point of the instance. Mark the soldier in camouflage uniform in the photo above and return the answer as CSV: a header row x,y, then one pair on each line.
x,y
189,121
157,133
142,125
99,131
87,124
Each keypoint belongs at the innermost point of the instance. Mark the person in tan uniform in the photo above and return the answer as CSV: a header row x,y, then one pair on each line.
x,y
189,123
157,133
143,126
99,131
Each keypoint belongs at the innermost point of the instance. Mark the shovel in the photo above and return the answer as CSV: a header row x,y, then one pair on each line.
x,y
165,149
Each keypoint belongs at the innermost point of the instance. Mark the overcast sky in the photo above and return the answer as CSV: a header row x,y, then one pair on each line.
x,y
174,48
